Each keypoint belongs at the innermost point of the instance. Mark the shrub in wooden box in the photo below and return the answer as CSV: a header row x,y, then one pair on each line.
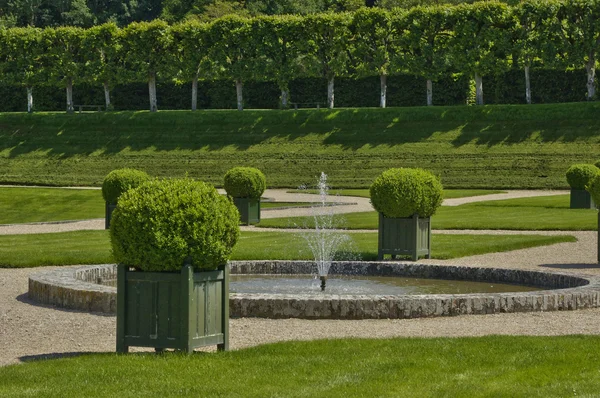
x,y
245,185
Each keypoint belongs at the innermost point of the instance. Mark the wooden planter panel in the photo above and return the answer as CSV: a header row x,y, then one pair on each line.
x,y
108,211
172,310
249,209
404,236
581,199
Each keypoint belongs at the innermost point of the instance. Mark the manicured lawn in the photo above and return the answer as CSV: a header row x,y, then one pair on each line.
x,y
364,193
20,205
492,366
540,213
93,247
493,147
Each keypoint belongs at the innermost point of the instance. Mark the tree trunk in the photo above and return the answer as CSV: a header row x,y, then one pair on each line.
x,y
69,95
527,86
29,100
152,92
107,96
240,97
330,93
383,92
591,76
284,98
429,92
478,89
195,93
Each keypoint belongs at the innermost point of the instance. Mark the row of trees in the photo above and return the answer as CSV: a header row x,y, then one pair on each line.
x,y
479,40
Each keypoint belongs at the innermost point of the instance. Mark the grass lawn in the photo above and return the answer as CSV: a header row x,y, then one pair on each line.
x,y
498,146
499,366
540,213
20,205
364,193
93,247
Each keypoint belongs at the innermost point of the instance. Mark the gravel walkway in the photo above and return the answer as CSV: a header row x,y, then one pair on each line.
x,y
29,330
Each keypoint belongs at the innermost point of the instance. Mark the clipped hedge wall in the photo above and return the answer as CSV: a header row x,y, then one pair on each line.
x,y
163,223
547,86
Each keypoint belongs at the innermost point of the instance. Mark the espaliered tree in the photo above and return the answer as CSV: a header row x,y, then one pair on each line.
x,y
234,51
191,40
481,41
62,55
573,37
372,36
327,47
101,45
278,44
147,50
425,38
20,53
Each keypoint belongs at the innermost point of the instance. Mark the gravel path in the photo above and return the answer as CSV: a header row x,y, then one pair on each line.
x,y
29,330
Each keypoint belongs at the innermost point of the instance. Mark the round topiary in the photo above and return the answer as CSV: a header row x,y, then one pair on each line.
x,y
597,164
403,192
118,181
579,175
162,224
245,182
593,188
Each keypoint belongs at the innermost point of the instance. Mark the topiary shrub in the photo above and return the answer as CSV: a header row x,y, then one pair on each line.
x,y
399,193
579,175
593,188
245,182
161,224
118,181
597,164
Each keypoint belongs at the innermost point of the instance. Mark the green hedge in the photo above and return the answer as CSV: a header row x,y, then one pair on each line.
x,y
548,86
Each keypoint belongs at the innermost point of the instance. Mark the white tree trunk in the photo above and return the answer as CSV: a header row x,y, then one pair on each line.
x,y
240,97
195,93
107,96
527,86
70,95
429,92
152,92
591,76
285,94
29,99
383,91
478,89
330,93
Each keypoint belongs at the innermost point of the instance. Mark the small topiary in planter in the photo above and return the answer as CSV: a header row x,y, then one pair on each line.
x,y
578,177
245,185
172,240
594,189
405,199
115,184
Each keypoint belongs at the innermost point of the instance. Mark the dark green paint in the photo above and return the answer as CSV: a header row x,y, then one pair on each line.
x,y
404,236
109,208
581,199
249,209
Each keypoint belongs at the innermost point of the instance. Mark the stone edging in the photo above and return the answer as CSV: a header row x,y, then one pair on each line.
x,y
72,288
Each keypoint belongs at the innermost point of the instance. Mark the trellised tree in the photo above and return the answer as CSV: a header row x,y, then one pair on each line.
x,y
328,37
373,37
427,32
147,50
20,53
234,51
481,41
102,55
62,55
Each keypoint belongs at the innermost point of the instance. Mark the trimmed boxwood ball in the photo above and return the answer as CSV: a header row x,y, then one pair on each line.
x,y
597,164
162,224
118,181
579,175
594,188
402,192
245,182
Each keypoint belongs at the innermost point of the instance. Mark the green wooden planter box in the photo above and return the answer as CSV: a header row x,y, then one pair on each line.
x,y
581,199
249,209
404,236
180,310
108,211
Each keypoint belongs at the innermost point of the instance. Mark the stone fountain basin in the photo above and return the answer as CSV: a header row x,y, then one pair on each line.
x,y
78,288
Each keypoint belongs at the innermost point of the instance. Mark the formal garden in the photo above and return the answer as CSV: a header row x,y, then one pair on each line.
x,y
325,204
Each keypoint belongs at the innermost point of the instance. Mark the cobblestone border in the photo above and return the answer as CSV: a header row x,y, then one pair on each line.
x,y
76,288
